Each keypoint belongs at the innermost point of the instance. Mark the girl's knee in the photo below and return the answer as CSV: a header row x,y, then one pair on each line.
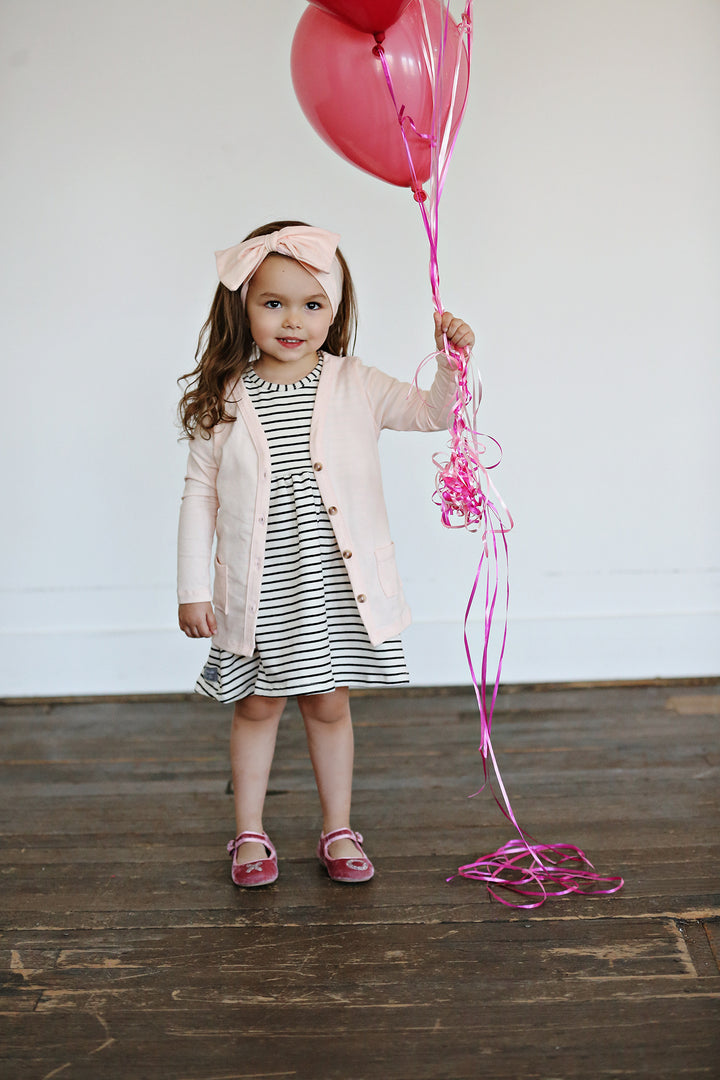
x,y
325,708
258,708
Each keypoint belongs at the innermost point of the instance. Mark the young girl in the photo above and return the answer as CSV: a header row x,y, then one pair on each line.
x,y
283,470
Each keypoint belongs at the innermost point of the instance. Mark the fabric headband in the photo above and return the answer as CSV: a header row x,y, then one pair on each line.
x,y
313,248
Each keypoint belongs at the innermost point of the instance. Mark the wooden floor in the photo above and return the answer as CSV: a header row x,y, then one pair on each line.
x,y
128,954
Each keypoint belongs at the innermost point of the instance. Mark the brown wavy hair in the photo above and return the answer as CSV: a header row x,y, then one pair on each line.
x,y
225,346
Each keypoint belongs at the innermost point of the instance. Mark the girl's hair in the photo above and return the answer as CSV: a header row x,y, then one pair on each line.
x,y
225,348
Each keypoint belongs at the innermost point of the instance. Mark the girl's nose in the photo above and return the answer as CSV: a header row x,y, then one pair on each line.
x,y
292,318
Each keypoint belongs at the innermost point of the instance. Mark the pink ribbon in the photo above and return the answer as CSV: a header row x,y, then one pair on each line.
x,y
468,499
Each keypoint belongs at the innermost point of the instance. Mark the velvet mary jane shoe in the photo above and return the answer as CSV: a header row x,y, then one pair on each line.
x,y
348,871
259,872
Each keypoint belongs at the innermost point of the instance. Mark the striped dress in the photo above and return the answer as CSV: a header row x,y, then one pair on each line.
x,y
309,637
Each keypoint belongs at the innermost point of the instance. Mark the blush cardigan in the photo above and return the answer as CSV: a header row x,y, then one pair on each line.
x,y
227,494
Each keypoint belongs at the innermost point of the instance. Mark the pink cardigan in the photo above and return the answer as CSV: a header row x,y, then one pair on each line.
x,y
227,492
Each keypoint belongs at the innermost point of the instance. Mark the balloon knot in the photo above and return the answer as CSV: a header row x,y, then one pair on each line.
x,y
419,195
379,37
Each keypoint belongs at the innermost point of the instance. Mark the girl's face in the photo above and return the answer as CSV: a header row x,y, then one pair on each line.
x,y
289,315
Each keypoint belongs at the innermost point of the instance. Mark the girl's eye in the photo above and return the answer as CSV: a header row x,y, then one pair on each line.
x,y
314,305
272,304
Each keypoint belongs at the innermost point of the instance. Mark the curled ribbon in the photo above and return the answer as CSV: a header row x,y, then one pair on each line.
x,y
468,499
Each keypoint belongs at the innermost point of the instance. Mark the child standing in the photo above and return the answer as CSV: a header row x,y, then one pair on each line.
x,y
284,471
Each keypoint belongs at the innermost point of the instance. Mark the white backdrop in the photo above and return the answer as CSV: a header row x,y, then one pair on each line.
x,y
580,235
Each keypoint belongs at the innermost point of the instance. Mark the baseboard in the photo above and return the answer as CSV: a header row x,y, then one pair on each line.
x,y
85,663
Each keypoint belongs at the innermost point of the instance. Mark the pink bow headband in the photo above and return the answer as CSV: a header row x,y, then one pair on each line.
x,y
313,248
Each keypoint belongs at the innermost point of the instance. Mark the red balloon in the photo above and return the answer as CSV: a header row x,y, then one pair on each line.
x,y
372,16
341,88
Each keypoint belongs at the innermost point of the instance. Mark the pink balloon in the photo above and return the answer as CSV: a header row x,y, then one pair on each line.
x,y
372,16
341,88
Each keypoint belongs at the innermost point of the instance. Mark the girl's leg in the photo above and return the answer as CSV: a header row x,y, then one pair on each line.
x,y
330,740
252,745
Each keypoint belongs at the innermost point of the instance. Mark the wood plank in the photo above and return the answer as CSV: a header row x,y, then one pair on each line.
x,y
698,937
320,963
439,1041
711,927
196,883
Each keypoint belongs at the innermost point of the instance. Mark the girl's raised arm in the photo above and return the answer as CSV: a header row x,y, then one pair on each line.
x,y
403,406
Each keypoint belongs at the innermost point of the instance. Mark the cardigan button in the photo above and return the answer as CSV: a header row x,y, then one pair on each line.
x,y
317,466
332,509
347,554
361,598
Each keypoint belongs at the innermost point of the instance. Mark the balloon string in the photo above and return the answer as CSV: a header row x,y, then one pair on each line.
x,y
468,499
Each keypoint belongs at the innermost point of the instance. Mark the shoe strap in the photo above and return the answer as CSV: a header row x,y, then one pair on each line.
x,y
341,834
252,837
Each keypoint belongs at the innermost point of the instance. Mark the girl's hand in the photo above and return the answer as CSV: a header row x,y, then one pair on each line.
x,y
197,620
456,331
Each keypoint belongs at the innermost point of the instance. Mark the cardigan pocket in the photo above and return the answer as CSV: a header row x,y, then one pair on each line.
x,y
220,587
387,570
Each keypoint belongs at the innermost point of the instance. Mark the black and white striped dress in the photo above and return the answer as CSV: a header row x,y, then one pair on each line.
x,y
309,637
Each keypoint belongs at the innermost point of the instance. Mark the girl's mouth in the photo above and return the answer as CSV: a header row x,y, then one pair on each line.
x,y
290,342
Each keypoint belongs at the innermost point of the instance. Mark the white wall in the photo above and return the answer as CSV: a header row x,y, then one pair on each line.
x,y
580,234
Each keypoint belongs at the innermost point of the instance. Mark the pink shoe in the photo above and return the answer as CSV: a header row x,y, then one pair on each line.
x,y
348,871
260,872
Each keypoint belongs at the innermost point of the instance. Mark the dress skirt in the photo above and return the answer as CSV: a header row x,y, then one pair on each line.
x,y
309,637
